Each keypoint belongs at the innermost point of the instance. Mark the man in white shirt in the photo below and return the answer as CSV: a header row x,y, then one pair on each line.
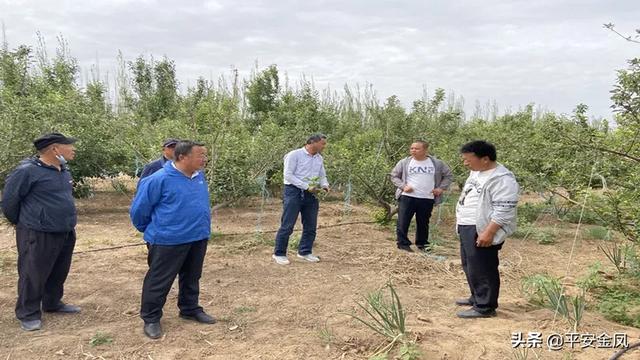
x,y
485,216
420,180
304,176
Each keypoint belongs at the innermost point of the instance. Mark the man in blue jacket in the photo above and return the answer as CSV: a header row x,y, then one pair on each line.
x,y
168,148
37,199
171,208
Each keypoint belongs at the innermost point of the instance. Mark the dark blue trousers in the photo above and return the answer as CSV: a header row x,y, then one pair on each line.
x,y
296,201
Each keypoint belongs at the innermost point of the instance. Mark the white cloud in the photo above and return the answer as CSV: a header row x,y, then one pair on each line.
x,y
554,53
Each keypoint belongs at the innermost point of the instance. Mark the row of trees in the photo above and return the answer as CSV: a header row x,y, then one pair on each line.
x,y
250,124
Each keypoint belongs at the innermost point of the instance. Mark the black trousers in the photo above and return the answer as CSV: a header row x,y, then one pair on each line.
x,y
44,260
421,208
165,263
480,265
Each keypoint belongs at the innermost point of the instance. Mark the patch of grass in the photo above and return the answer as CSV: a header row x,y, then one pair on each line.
x,y
379,215
410,351
244,309
100,338
588,216
435,236
617,254
544,237
521,353
533,288
620,303
593,279
256,240
215,236
294,242
598,233
119,186
546,291
530,213
326,335
385,316
523,231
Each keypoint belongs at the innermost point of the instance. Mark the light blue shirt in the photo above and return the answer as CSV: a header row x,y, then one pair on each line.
x,y
300,167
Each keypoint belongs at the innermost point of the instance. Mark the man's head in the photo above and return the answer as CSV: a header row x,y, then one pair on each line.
x,y
316,143
56,145
478,155
168,148
419,149
190,155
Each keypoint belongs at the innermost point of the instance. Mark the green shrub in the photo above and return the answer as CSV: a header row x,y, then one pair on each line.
x,y
530,213
621,304
598,233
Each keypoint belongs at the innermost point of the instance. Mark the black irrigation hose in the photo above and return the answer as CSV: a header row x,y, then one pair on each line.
x,y
223,235
621,352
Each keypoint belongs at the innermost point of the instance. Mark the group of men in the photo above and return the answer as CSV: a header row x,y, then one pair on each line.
x,y
172,210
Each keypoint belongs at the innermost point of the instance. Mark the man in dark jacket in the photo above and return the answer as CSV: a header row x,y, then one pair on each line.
x,y
420,180
168,148
172,209
37,199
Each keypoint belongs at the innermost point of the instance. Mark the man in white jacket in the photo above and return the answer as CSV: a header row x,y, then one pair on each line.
x,y
486,214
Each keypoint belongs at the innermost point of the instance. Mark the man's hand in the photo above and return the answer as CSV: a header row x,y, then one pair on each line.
x,y
312,189
326,189
407,189
437,191
485,239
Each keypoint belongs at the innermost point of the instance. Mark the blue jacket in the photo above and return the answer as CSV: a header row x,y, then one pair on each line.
x,y
153,166
40,197
172,209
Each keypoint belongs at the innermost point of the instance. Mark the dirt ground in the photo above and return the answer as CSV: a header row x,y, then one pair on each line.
x,y
266,311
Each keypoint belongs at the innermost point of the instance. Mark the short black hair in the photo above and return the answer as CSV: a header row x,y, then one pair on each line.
x,y
424,143
480,148
184,148
315,138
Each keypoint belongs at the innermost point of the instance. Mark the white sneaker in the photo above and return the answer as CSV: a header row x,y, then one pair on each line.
x,y
281,260
309,257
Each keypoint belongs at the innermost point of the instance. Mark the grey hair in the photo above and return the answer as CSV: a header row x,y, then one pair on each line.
x,y
315,138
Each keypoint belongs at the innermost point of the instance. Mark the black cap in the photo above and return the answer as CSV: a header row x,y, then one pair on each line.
x,y
170,142
52,138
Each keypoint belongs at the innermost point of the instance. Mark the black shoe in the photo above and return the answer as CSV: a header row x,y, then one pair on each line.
x,y
474,314
153,330
405,248
31,325
66,309
200,317
464,302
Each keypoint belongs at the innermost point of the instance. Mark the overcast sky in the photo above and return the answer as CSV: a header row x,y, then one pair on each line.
x,y
554,53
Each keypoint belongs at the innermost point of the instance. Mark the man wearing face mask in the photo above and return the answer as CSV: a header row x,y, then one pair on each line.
x,y
37,199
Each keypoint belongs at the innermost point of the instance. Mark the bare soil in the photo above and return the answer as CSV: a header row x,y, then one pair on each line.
x,y
266,311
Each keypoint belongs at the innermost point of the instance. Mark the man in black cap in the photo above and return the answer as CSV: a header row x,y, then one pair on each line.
x,y
37,199
167,154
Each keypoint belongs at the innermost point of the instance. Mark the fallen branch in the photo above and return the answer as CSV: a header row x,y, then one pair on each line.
x,y
621,352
